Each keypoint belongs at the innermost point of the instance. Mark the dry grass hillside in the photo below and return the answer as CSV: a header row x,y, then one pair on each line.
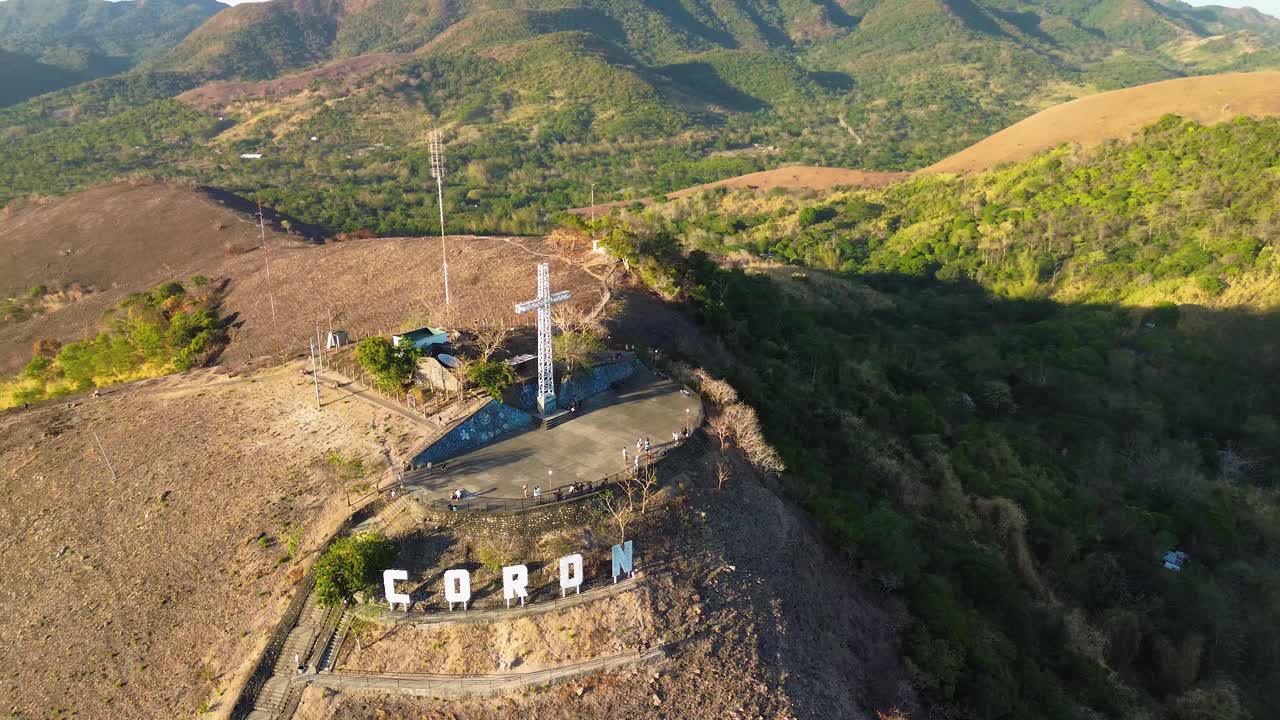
x,y
1119,114
92,249
795,177
376,286
146,594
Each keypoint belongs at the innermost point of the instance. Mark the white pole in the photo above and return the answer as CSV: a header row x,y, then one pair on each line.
x,y
314,375
104,456
443,258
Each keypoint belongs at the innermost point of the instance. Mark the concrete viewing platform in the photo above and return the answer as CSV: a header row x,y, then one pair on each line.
x,y
585,447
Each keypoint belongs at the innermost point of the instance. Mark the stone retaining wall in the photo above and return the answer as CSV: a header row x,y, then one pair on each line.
x,y
580,386
530,523
489,423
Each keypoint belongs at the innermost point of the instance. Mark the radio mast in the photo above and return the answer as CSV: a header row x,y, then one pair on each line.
x,y
437,172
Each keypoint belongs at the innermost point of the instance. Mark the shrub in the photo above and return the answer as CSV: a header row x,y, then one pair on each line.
x,y
390,366
350,565
491,376
1212,285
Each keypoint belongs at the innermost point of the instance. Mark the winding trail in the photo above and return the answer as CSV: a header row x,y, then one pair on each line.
x,y
460,686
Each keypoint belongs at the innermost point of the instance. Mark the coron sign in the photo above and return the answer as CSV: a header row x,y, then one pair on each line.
x,y
515,579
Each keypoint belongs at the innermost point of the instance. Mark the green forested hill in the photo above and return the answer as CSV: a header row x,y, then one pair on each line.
x,y
52,44
1012,395
541,99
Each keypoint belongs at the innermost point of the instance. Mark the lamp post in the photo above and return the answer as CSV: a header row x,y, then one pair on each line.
x,y
686,421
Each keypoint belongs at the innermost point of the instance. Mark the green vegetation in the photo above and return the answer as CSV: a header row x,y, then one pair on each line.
x,y
350,565
1009,401
1188,213
540,101
491,376
575,349
391,367
50,44
160,331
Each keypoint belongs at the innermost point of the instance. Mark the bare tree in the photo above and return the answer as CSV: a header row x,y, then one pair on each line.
x,y
572,317
618,512
746,432
490,337
646,483
723,473
720,393
720,426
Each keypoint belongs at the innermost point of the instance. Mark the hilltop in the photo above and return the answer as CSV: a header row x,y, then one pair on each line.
x,y
1121,114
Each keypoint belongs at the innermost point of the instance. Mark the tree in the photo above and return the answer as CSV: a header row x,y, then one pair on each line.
x,y
490,337
576,349
617,512
492,377
390,366
350,565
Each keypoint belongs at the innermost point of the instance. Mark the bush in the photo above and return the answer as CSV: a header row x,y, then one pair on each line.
x,y
1212,285
492,376
575,350
350,565
390,366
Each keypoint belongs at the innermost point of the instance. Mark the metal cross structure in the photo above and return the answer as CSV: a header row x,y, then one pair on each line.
x,y
437,172
542,303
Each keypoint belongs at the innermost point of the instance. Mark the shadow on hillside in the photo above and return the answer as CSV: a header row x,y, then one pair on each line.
x,y
702,80
1113,433
276,220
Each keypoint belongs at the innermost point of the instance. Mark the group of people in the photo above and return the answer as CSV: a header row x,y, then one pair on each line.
x,y
561,492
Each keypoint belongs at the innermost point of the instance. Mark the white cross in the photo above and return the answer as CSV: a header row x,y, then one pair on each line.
x,y
543,303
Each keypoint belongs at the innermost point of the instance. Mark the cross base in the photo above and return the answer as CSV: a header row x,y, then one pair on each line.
x,y
546,405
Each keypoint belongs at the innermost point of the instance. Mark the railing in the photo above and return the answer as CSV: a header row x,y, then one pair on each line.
x,y
472,684
554,494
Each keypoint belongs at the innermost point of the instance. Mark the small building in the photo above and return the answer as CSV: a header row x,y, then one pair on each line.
x,y
250,156
337,338
1174,560
423,339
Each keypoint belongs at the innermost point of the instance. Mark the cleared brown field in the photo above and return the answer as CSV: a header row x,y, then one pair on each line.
x,y
1119,114
376,286
797,177
109,241
146,594
122,238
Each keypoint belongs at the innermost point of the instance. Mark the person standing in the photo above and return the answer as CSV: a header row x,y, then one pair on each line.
x,y
537,492
625,457
526,491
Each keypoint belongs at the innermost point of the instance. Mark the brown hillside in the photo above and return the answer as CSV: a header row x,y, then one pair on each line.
x,y
117,239
218,94
1119,114
796,177
145,593
105,243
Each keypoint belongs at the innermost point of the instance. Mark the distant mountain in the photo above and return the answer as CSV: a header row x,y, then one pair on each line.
x,y
56,43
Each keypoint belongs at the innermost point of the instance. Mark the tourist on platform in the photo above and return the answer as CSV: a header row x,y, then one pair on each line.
x,y
625,456
537,492
526,491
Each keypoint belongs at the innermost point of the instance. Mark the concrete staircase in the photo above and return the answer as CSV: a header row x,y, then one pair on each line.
x,y
274,696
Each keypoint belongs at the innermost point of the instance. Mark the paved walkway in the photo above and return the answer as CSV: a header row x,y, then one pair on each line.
x,y
586,447
455,686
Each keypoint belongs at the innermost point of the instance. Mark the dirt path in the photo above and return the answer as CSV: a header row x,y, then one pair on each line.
x,y
460,686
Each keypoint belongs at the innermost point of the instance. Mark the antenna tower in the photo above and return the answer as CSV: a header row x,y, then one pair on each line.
x,y
266,254
437,172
